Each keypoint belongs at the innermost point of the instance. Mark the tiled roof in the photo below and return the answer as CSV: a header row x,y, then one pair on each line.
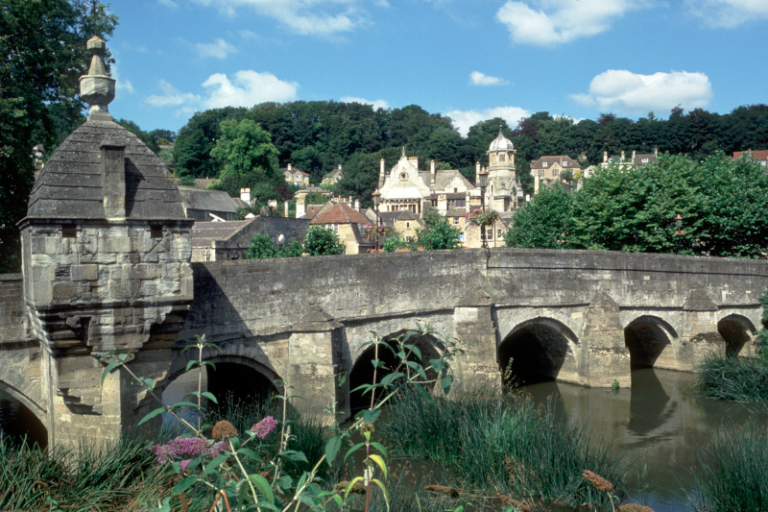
x,y
551,159
312,210
456,212
649,157
208,200
203,233
340,213
759,154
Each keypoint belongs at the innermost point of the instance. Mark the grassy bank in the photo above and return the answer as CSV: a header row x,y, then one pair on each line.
x,y
118,477
733,378
732,472
505,443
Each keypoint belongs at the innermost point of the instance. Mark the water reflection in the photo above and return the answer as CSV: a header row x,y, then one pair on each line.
x,y
659,422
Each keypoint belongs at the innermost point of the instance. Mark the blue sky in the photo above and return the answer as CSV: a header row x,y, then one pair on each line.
x,y
468,59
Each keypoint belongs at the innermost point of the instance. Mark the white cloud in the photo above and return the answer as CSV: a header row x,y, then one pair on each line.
x,y
552,22
463,120
171,96
218,49
728,13
247,89
377,104
478,78
306,17
624,91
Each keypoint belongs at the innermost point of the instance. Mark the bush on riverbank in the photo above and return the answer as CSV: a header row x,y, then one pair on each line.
x,y
503,442
732,472
733,378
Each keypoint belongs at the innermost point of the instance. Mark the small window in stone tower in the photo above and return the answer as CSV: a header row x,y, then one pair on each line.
x,y
69,231
156,231
502,157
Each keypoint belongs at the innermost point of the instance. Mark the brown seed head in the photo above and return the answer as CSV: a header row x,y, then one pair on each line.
x,y
596,481
223,430
367,427
358,488
442,489
634,507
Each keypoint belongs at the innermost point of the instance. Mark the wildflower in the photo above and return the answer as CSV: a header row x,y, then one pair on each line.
x,y
222,430
186,447
265,427
596,481
184,464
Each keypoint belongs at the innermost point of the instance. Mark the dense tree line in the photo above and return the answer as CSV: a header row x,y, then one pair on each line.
x,y
715,207
317,136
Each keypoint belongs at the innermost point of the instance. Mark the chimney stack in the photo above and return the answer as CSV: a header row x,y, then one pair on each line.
x,y
633,155
289,166
381,173
245,195
113,184
432,170
605,157
622,155
477,173
656,151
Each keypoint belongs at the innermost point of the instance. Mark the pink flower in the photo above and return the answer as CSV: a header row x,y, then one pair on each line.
x,y
184,464
265,427
186,447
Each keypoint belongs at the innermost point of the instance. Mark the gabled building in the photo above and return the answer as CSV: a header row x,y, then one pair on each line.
x,y
549,168
347,224
332,177
206,205
296,177
637,159
405,223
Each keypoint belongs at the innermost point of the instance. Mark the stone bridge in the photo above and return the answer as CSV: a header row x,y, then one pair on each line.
x,y
575,316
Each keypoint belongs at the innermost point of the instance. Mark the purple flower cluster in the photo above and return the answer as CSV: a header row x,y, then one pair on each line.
x,y
265,427
186,447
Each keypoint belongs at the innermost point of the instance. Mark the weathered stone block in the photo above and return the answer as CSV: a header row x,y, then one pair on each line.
x,y
84,272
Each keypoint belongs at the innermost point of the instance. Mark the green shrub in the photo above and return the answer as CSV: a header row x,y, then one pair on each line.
x,y
733,378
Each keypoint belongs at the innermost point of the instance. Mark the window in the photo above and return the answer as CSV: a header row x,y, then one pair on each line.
x,y
69,231
499,234
541,174
565,164
407,224
408,238
455,190
334,228
544,164
156,231
455,221
502,158
645,160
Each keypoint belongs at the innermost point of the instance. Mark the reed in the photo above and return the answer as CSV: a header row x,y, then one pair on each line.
x,y
732,471
118,477
504,442
733,378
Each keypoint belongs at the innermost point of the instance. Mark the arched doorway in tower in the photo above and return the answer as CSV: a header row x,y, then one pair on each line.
x,y
363,370
736,330
649,339
18,422
536,351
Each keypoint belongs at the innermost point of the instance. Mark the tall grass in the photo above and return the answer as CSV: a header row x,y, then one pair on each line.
x,y
732,472
119,477
733,378
504,442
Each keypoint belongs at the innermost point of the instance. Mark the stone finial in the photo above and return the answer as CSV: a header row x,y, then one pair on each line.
x,y
97,89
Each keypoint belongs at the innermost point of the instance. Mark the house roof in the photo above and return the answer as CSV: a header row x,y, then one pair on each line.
x,y
639,157
208,200
203,233
312,210
70,184
551,159
340,213
758,154
294,170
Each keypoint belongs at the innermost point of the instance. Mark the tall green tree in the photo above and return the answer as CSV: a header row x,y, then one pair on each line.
x,y
42,55
245,147
543,222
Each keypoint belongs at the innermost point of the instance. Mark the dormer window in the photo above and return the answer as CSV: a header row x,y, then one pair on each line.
x,y
544,164
645,160
404,176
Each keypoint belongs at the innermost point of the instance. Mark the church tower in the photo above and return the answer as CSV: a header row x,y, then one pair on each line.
x,y
504,192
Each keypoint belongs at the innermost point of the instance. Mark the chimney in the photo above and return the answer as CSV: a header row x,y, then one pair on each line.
x,y
432,170
535,185
357,205
381,173
656,151
339,167
245,195
622,155
113,178
477,173
605,157
285,204
633,155
300,207
442,204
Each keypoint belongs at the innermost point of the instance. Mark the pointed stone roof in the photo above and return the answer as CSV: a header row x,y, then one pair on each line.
x,y
501,143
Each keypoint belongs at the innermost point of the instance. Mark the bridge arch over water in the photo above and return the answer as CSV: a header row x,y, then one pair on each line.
x,y
650,341
737,331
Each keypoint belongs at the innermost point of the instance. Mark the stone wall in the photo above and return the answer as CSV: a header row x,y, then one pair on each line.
x,y
13,317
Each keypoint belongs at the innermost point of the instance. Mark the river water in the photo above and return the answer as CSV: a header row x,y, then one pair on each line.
x,y
659,422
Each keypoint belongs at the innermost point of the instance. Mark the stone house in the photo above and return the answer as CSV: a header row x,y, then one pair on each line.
x,y
333,177
405,223
296,177
637,159
494,234
549,168
221,241
347,224
203,205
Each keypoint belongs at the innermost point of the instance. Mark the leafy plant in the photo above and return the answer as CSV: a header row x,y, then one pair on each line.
x,y
320,241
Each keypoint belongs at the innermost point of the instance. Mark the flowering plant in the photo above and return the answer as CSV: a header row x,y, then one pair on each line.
x,y
480,218
384,231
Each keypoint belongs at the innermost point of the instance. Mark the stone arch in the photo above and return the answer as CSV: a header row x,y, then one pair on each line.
x,y
33,418
736,330
649,339
361,371
537,350
240,370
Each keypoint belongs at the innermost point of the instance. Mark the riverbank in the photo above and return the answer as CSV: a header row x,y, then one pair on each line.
x,y
738,379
